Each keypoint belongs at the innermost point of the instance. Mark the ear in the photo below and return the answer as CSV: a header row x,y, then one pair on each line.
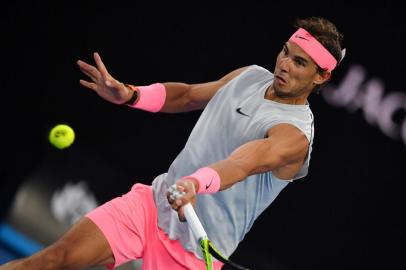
x,y
322,77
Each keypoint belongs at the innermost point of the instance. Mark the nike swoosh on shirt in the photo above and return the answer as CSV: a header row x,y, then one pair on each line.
x,y
240,112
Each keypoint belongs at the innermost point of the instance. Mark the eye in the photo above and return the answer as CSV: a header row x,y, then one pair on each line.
x,y
300,62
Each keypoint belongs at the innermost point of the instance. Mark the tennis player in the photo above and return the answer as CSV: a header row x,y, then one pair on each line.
x,y
253,138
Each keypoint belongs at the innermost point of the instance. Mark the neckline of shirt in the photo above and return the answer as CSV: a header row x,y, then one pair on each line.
x,y
292,107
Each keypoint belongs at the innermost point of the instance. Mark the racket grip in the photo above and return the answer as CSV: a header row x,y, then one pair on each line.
x,y
194,222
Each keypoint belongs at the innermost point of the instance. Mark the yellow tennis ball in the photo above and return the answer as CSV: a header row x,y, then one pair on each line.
x,y
61,136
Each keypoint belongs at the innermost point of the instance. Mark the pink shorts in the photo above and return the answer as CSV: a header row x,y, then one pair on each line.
x,y
130,225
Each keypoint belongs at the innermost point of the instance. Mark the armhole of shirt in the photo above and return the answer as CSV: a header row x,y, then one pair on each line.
x,y
309,139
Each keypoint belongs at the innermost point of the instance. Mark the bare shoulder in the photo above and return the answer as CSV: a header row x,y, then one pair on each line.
x,y
228,77
290,140
291,145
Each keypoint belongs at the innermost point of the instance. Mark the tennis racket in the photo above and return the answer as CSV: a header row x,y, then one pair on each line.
x,y
207,248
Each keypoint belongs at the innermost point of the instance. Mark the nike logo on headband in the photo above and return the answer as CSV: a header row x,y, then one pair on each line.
x,y
240,112
301,37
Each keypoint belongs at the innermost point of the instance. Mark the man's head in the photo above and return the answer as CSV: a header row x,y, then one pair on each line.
x,y
307,58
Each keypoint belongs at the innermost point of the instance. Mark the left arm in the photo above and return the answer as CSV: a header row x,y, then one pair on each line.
x,y
282,152
285,146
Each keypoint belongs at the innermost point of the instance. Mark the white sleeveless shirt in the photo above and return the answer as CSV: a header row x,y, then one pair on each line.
x,y
236,114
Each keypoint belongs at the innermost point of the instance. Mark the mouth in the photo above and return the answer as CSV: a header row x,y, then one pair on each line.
x,y
281,80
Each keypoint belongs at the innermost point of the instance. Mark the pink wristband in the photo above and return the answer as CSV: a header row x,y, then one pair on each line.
x,y
151,98
208,179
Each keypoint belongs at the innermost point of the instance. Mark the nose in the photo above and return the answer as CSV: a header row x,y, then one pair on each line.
x,y
285,63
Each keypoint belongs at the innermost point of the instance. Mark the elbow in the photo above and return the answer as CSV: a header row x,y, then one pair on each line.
x,y
192,105
273,163
192,100
182,103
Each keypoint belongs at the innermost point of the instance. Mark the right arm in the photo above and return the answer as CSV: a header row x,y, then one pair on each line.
x,y
180,97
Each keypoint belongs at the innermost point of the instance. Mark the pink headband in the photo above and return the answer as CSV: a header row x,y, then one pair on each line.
x,y
314,49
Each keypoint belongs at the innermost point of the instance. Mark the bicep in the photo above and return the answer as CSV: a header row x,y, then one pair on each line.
x,y
290,144
284,145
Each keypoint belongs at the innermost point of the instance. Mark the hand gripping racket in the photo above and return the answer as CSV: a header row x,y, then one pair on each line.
x,y
200,234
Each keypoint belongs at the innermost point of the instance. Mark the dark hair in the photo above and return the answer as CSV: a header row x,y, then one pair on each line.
x,y
325,32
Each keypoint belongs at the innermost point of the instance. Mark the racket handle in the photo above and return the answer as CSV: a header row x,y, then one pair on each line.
x,y
194,222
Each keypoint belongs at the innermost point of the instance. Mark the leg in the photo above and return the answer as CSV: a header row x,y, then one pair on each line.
x,y
82,246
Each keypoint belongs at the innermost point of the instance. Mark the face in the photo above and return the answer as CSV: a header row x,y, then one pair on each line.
x,y
296,74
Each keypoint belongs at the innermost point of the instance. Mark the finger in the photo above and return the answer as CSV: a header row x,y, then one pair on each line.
x,y
89,69
181,215
175,203
188,191
180,201
89,85
91,76
168,197
102,68
180,187
174,206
